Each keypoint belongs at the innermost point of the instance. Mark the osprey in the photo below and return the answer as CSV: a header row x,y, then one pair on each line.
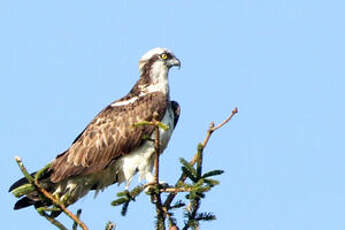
x,y
110,150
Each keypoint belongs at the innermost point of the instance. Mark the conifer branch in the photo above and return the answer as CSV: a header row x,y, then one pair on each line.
x,y
52,220
157,152
195,196
210,130
156,194
125,197
154,189
75,224
110,226
46,194
177,190
24,171
199,184
60,205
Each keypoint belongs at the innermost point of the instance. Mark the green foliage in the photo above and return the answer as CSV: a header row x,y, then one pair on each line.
x,y
199,184
189,170
193,222
159,124
41,172
199,159
196,188
29,187
205,216
160,225
136,191
213,173
178,204
124,208
125,197
211,182
22,190
109,226
119,201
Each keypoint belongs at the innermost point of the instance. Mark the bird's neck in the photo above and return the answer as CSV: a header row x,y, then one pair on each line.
x,y
159,79
154,80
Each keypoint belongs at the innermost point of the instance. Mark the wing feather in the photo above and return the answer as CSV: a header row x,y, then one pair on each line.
x,y
108,136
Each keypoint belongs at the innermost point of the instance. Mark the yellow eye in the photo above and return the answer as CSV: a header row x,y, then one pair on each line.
x,y
164,56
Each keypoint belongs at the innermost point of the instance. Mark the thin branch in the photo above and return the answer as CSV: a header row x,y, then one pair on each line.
x,y
45,193
156,195
177,190
172,189
210,130
213,128
24,171
234,111
60,205
110,226
157,151
53,221
75,224
153,123
194,203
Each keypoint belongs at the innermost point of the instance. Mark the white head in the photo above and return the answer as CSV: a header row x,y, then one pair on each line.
x,y
160,56
154,68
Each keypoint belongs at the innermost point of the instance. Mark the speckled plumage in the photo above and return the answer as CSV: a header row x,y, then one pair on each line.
x,y
110,150
109,136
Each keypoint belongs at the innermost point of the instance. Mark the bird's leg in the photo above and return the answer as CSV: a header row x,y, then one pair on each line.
x,y
128,182
149,177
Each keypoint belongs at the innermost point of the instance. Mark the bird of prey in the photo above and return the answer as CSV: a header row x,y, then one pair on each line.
x,y
110,150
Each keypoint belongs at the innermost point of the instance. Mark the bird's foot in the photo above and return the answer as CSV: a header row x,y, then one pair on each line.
x,y
153,185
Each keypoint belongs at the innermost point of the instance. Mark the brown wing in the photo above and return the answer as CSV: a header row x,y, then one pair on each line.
x,y
108,136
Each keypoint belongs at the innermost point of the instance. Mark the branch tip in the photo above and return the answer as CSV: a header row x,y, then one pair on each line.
x,y
235,110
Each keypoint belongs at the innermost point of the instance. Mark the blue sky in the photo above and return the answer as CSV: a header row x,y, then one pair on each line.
x,y
281,62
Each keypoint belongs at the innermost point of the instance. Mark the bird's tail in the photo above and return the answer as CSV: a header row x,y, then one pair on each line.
x,y
27,192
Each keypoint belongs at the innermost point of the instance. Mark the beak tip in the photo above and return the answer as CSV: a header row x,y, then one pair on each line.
x,y
178,63
174,62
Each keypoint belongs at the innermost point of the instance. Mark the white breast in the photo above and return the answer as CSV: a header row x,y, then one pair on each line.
x,y
141,159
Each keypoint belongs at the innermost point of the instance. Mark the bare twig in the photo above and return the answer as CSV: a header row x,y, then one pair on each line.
x,y
213,128
234,111
210,130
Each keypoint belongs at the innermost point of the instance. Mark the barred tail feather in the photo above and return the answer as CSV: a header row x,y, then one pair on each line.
x,y
20,182
23,203
22,187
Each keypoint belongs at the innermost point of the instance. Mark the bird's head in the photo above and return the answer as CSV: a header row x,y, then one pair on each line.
x,y
158,59
154,68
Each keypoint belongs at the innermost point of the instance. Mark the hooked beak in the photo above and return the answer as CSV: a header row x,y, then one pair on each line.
x,y
174,62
